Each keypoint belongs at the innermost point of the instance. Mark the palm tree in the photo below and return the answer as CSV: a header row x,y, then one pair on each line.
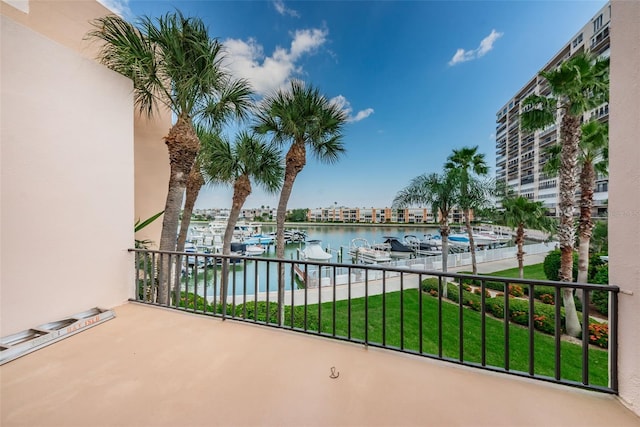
x,y
593,157
468,162
302,117
520,212
173,63
249,159
234,96
577,86
441,192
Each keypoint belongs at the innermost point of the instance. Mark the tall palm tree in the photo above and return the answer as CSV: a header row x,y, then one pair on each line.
x,y
468,162
520,212
593,157
248,159
441,192
305,119
174,64
577,86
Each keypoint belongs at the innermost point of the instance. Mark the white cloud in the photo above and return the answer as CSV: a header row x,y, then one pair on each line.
x,y
284,10
486,45
342,102
246,59
119,7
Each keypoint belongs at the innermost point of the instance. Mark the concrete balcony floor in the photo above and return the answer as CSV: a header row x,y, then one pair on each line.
x,y
151,366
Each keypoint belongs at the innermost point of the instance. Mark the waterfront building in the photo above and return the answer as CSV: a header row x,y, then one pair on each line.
x,y
374,215
520,155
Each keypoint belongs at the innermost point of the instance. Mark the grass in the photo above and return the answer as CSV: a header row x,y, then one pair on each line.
x,y
408,318
532,272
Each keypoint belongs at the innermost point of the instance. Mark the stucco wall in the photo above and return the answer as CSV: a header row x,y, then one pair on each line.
x,y
624,191
67,199
67,22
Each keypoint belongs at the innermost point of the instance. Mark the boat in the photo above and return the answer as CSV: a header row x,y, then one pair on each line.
x,y
395,247
259,239
254,250
295,236
361,250
421,247
313,251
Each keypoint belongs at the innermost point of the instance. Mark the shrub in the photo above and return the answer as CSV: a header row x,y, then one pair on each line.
x,y
478,291
547,299
599,334
600,299
516,290
261,313
191,301
543,316
595,263
469,299
551,265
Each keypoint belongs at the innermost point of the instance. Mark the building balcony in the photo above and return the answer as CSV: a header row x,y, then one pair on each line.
x,y
202,364
153,366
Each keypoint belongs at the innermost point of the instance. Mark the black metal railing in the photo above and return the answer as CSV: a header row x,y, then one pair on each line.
x,y
500,324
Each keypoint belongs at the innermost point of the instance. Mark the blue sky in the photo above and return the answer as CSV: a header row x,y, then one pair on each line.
x,y
418,78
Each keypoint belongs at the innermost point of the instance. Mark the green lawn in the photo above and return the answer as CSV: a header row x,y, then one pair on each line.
x,y
389,333
532,272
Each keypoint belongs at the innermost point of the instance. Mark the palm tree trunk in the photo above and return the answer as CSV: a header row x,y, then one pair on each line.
x,y
520,245
570,138
295,161
194,184
472,245
241,190
183,145
444,234
585,226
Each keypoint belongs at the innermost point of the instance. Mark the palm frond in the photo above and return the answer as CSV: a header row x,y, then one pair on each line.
x,y
537,112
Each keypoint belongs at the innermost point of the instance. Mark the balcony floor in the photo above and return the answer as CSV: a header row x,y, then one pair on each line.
x,y
151,366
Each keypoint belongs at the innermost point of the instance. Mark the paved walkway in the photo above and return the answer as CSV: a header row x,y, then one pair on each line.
x,y
393,282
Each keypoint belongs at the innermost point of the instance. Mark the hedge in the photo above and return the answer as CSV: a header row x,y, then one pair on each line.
x,y
543,315
195,302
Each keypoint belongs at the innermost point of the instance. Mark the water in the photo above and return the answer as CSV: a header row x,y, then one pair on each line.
x,y
334,238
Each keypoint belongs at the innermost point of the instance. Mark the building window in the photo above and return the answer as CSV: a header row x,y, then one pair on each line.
x,y
597,23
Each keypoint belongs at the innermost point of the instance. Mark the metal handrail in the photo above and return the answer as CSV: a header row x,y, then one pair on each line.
x,y
302,294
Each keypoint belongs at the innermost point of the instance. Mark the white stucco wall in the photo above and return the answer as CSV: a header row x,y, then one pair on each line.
x,y
67,193
624,191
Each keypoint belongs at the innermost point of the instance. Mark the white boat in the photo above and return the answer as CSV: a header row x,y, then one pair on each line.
x,y
361,250
422,247
254,250
313,251
295,236
395,247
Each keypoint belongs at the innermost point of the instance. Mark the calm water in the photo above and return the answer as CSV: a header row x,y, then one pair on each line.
x,y
335,238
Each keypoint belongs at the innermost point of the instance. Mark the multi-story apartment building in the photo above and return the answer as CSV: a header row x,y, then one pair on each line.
x,y
520,155
378,215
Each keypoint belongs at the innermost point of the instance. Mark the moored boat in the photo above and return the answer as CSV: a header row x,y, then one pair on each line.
x,y
361,251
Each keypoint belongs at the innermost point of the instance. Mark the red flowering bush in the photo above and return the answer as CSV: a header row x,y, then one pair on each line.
x,y
547,299
516,290
599,334
478,291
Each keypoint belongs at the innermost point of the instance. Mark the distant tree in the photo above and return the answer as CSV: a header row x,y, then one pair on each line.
x,y
577,86
520,213
469,164
441,192
297,215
